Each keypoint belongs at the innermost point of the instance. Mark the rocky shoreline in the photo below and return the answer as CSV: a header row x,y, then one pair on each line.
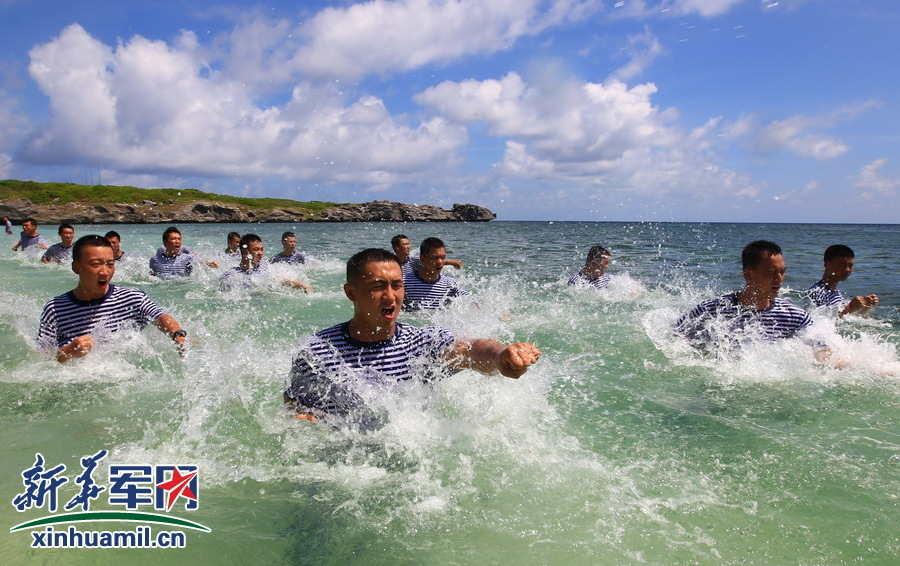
x,y
205,211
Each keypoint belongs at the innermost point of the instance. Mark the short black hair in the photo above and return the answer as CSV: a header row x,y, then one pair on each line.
x,y
94,240
30,219
836,251
233,235
429,244
113,234
170,230
63,227
288,234
754,252
395,241
247,239
357,263
596,252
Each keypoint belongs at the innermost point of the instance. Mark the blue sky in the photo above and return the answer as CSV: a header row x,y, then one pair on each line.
x,y
701,110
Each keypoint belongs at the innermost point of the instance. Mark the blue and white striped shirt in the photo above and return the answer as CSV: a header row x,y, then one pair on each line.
x,y
65,318
296,257
58,253
239,278
821,296
724,317
411,263
165,266
325,369
421,295
580,280
26,241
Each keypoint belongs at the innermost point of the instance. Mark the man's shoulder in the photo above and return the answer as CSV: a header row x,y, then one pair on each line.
x,y
785,304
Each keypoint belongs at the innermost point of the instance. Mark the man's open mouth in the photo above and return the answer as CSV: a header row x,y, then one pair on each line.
x,y
389,311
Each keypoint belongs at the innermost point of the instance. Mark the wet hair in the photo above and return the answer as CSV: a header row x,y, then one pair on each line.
x,y
596,252
63,227
113,234
357,264
836,251
287,235
233,235
29,219
248,239
94,240
170,230
395,241
429,244
754,252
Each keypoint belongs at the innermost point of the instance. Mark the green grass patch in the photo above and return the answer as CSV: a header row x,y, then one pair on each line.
x,y
63,193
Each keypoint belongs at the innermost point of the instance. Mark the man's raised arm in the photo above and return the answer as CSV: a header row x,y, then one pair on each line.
x,y
489,356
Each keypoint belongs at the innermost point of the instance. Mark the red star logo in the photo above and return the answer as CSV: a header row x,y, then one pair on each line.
x,y
177,487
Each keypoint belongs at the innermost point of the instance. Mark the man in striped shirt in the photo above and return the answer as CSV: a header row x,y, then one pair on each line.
x,y
61,252
839,261
30,237
426,288
173,260
756,309
402,246
72,323
115,241
253,268
594,271
289,253
373,349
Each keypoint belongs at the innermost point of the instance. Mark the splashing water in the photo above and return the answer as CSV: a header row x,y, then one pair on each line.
x,y
623,445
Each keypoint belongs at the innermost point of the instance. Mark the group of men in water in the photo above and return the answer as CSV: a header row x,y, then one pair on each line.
x,y
373,347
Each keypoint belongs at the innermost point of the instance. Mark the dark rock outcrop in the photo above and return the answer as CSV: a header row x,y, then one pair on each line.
x,y
150,212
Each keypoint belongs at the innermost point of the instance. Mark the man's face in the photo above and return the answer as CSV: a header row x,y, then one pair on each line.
x,y
599,264
30,228
842,267
115,243
434,260
67,235
290,243
256,251
95,269
233,243
402,248
766,278
378,295
172,243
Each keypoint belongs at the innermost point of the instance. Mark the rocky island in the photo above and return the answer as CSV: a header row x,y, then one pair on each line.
x,y
106,204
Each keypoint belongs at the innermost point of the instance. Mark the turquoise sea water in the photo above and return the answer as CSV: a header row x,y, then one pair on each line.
x,y
620,446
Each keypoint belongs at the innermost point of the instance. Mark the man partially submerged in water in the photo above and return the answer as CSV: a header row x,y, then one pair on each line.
x,y
72,322
755,310
839,260
375,349
594,271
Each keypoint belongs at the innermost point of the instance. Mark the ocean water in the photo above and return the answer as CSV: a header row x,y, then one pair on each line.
x,y
621,446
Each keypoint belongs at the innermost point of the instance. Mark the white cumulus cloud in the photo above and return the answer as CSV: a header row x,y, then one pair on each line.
x,y
871,178
604,135
151,107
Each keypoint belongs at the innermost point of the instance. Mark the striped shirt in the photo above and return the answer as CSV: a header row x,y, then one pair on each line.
x,y
296,257
65,317
165,266
421,295
821,296
723,317
58,253
580,280
411,263
26,241
239,278
325,369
